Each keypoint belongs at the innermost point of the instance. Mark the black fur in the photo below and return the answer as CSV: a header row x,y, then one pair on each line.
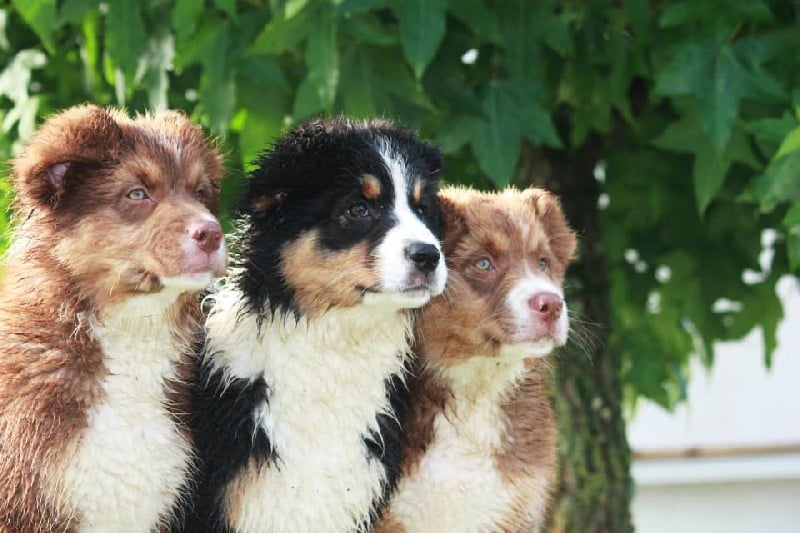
x,y
308,178
387,444
226,438
306,181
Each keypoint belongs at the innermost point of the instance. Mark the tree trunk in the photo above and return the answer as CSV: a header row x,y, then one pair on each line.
x,y
595,487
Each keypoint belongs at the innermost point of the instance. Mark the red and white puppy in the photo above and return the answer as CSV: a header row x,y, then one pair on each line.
x,y
480,438
98,307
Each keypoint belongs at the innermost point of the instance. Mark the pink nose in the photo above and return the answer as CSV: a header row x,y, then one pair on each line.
x,y
208,235
547,306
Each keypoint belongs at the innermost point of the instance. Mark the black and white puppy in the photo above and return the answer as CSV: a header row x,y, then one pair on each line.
x,y
307,343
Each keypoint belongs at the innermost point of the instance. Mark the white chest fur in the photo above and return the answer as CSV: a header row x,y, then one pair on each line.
x,y
128,466
457,486
326,381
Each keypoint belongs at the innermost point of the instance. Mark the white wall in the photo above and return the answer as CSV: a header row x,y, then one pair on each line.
x,y
736,413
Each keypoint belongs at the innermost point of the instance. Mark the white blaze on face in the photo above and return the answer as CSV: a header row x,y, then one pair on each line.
x,y
199,268
533,337
396,269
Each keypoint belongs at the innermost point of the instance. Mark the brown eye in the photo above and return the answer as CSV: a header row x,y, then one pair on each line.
x,y
359,210
542,264
200,194
137,194
484,264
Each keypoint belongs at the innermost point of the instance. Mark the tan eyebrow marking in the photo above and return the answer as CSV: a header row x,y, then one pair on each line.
x,y
416,194
370,187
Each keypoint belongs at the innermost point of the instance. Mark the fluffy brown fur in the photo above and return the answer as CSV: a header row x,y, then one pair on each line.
x,y
83,244
480,437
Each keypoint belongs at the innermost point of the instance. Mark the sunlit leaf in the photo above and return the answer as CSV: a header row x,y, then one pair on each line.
x,y
792,222
790,143
126,40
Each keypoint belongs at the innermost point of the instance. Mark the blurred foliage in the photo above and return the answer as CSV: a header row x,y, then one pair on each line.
x,y
697,104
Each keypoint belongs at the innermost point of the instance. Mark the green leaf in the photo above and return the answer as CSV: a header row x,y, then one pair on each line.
x,y
398,80
710,167
773,130
717,80
496,140
198,45
322,60
792,222
126,40
422,24
790,144
477,16
228,7
689,63
263,121
368,29
285,31
752,53
519,26
456,132
306,100
218,87
718,101
73,11
536,123
90,49
40,15
357,7
779,183
709,174
735,11
264,71
4,44
363,91
184,18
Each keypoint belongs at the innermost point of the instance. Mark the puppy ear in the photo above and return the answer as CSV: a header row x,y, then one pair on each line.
x,y
65,148
265,202
546,205
453,211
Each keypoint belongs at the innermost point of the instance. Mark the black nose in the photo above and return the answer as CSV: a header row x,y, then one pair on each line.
x,y
425,256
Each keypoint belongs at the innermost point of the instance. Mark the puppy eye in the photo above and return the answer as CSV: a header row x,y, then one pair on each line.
x,y
421,210
359,210
199,194
484,264
542,264
137,194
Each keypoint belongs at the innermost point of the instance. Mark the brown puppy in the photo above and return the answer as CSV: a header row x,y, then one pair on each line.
x,y
115,236
480,438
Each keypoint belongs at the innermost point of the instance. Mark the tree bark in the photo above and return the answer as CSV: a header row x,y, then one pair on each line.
x,y
595,486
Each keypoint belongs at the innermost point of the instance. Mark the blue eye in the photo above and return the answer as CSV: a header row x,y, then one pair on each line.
x,y
137,194
542,264
484,263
